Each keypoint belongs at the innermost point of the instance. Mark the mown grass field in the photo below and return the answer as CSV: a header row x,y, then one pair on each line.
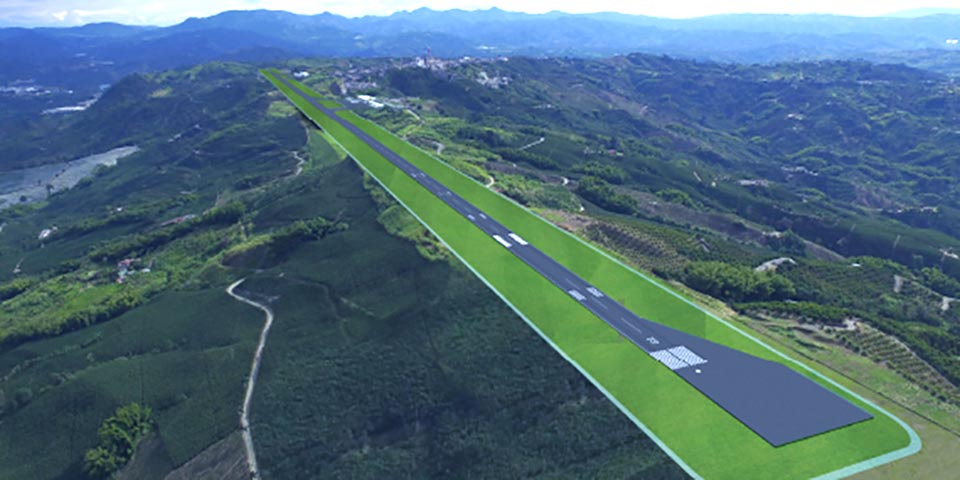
x,y
691,426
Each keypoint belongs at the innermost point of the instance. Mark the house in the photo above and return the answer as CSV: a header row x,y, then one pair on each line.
x,y
46,232
125,268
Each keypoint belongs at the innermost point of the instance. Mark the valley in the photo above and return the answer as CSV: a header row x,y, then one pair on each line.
x,y
36,183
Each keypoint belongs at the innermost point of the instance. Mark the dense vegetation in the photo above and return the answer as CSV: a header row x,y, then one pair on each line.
x,y
82,58
385,348
119,436
819,149
737,283
422,372
736,165
598,191
124,304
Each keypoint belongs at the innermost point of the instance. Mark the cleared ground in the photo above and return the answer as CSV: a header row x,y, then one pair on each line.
x,y
690,426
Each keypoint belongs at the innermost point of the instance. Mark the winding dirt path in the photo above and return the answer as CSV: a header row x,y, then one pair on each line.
x,y
252,380
300,163
532,144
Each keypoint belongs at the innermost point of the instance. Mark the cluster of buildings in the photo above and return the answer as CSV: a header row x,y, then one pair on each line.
x,y
356,78
128,267
610,152
24,90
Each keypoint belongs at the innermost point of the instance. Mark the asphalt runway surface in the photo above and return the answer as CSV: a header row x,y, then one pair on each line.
x,y
777,403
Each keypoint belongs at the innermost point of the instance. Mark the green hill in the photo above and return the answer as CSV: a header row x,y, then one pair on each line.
x,y
228,184
387,356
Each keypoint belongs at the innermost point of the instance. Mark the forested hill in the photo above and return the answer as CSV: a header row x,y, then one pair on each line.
x,y
813,147
847,168
81,58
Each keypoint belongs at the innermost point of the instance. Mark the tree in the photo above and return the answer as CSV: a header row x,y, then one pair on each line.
x,y
99,462
598,191
737,283
119,435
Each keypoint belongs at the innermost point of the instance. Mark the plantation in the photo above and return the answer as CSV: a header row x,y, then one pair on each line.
x,y
180,354
124,302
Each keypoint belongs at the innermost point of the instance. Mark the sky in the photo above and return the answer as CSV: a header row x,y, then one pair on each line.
x,y
168,12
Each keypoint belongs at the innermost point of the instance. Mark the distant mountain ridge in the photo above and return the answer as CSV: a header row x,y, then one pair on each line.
x,y
923,12
104,52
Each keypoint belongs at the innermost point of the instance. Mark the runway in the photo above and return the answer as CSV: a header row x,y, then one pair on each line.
x,y
774,401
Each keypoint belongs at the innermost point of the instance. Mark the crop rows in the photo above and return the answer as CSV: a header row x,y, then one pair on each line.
x,y
885,349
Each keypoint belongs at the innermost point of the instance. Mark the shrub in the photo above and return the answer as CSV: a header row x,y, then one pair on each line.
x,y
598,191
119,435
737,283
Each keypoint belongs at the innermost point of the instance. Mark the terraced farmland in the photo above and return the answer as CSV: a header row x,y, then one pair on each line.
x,y
883,348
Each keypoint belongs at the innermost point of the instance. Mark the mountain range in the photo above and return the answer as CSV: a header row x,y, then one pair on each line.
x,y
102,53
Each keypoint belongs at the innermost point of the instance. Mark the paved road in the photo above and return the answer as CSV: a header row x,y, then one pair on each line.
x,y
774,401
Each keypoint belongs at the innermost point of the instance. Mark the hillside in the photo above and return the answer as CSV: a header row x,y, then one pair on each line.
x,y
123,302
831,164
814,204
70,64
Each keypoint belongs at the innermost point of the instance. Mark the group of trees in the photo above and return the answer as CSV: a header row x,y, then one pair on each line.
x,y
114,307
809,311
481,137
938,348
120,248
679,197
116,250
940,282
601,193
737,283
610,173
126,300
305,230
521,156
119,435
131,214
15,287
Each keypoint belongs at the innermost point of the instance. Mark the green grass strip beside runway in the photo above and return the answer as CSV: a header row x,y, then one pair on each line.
x,y
690,426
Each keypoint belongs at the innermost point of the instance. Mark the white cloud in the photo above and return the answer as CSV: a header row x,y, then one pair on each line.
x,y
106,12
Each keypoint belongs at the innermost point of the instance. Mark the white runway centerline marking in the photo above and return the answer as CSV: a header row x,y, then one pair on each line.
x,y
516,238
502,241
